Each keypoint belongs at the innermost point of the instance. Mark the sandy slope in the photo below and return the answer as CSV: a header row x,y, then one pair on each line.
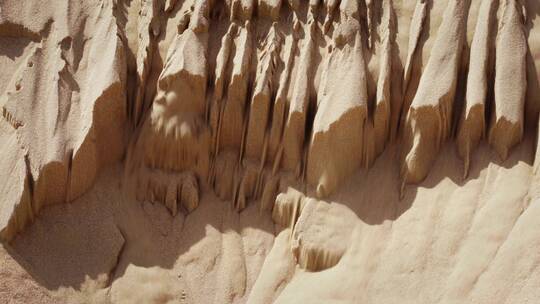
x,y
261,151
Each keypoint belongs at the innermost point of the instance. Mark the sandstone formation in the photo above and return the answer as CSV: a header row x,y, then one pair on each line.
x,y
270,151
63,100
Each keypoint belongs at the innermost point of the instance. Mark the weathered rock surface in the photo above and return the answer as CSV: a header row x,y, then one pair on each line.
x,y
65,103
270,150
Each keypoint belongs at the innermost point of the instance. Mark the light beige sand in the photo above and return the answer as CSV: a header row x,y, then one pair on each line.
x,y
269,151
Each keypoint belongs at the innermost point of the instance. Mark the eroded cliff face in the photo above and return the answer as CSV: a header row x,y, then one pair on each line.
x,y
270,151
63,104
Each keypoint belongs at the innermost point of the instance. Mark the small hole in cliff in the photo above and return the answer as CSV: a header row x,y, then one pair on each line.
x,y
30,64
65,44
18,87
